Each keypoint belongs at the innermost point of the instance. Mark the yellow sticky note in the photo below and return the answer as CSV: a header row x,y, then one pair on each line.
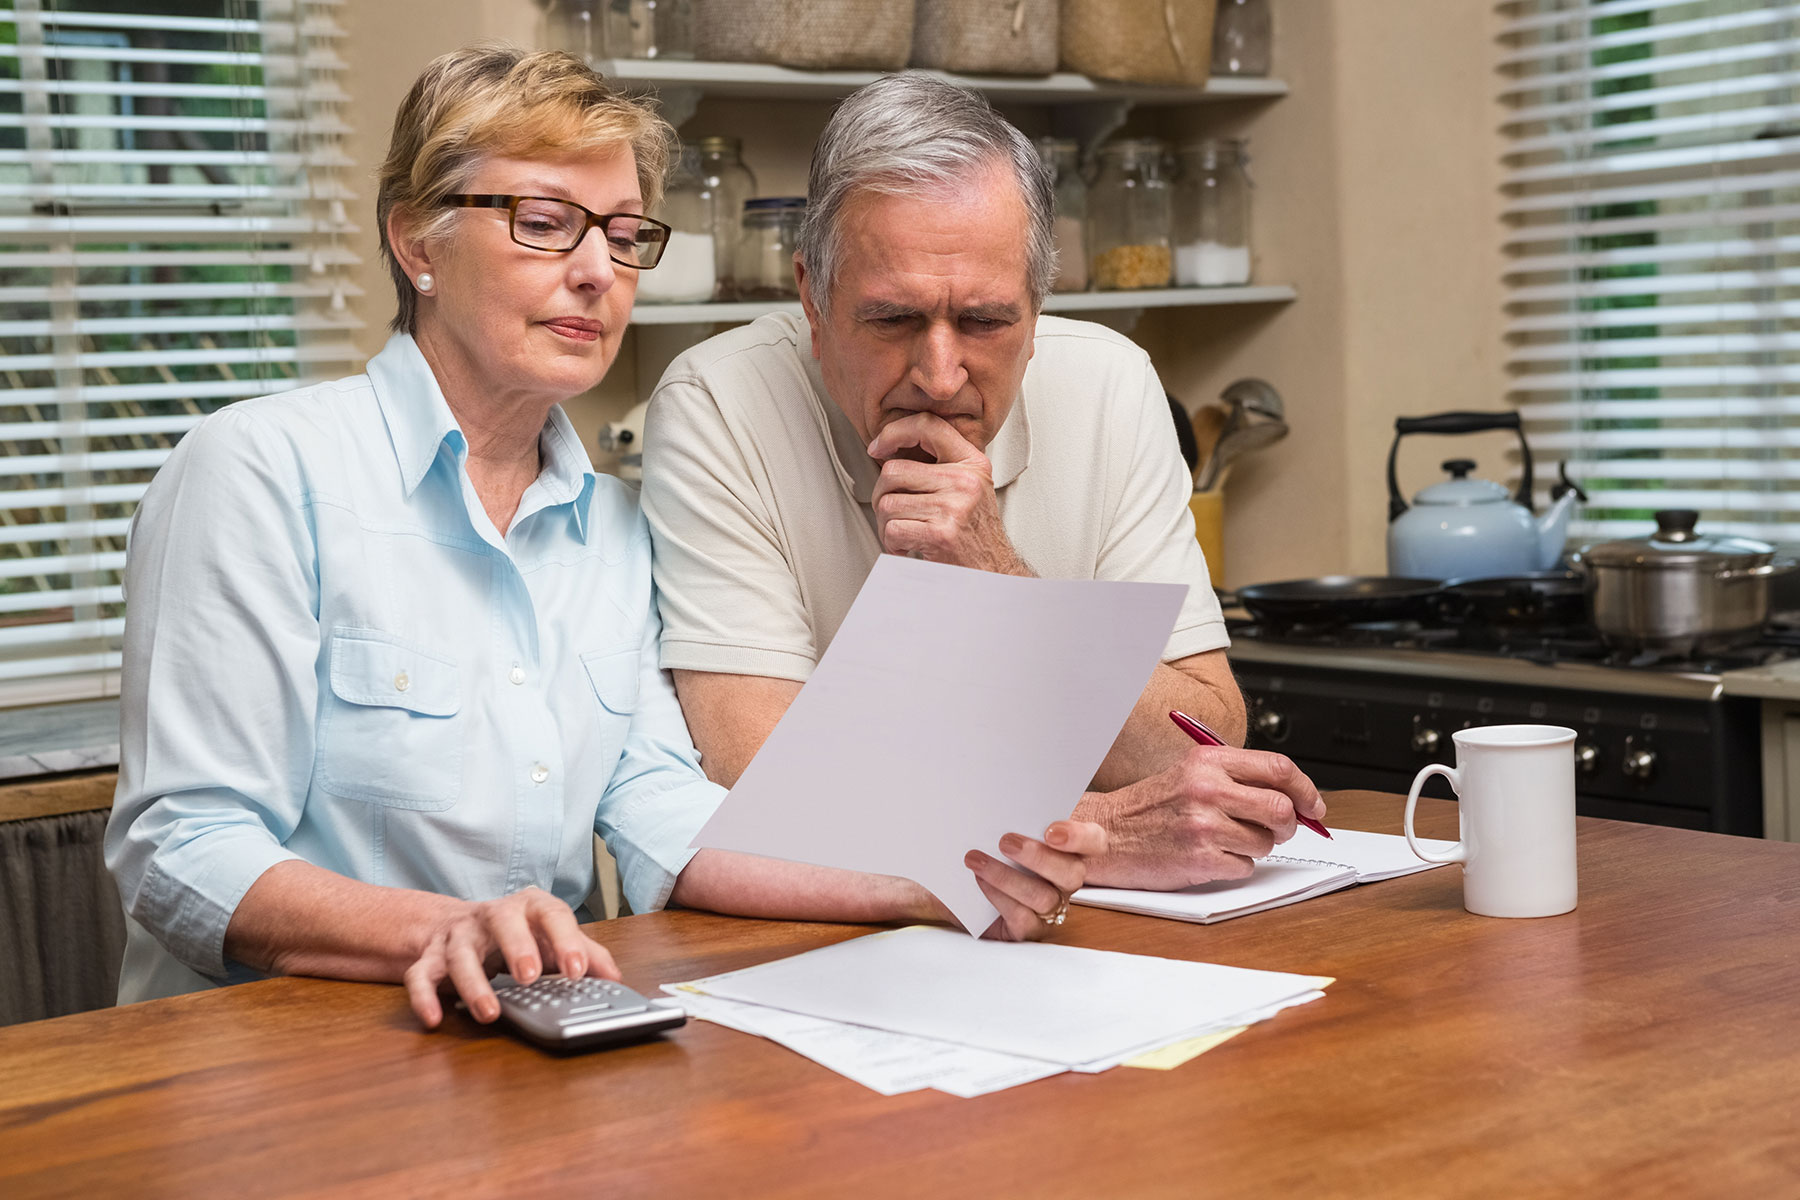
x,y
1167,1058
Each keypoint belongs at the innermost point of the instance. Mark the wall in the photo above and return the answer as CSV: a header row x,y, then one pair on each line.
x,y
1376,196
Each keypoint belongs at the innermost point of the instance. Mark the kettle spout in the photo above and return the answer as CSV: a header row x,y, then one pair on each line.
x,y
1553,526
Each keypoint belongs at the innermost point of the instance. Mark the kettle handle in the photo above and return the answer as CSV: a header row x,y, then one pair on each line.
x,y
1458,422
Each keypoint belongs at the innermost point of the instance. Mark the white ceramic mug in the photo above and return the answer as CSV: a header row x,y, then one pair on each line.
x,y
1516,790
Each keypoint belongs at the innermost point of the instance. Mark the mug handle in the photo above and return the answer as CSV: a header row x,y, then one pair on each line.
x,y
1457,853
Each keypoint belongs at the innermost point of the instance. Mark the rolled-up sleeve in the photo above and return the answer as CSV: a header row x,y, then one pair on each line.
x,y
658,797
218,687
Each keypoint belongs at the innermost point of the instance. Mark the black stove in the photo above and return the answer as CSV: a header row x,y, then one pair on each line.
x,y
1365,706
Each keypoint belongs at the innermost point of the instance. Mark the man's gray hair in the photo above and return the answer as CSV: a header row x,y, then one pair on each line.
x,y
913,135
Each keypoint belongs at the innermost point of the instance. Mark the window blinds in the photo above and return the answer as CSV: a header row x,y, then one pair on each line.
x,y
174,235
1652,180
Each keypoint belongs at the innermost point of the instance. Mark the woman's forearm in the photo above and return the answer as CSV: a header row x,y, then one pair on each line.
x,y
747,885
299,919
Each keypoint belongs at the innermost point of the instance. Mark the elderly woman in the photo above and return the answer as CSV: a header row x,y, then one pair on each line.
x,y
391,654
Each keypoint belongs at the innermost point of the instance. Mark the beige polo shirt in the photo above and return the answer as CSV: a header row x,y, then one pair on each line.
x,y
758,492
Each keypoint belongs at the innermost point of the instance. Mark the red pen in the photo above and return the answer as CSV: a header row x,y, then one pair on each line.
x,y
1207,737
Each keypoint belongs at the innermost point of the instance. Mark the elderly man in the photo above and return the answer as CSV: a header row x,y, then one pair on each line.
x,y
923,407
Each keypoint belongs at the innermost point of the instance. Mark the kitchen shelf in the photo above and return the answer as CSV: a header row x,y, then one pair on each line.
x,y
749,310
761,80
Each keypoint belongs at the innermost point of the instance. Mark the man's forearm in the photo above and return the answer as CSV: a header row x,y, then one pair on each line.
x,y
299,919
750,886
1149,742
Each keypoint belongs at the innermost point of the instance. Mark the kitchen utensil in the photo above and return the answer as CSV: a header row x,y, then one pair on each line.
x,y
1234,443
1257,397
1209,423
1255,418
1339,600
1679,591
1467,528
1516,790
1184,434
1513,604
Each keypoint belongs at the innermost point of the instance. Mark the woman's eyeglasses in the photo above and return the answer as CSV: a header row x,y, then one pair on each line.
x,y
557,226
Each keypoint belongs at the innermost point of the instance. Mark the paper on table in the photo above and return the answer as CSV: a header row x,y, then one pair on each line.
x,y
1273,883
1063,1004
1373,856
1176,1053
1305,866
889,1063
953,707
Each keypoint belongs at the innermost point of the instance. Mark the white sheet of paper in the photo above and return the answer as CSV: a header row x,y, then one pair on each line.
x,y
1273,883
889,1063
1373,856
953,707
1302,867
1062,1004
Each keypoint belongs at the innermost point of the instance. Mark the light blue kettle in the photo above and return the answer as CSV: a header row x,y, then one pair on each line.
x,y
1465,528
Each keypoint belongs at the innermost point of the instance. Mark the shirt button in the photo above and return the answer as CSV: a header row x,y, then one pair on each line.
x,y
539,773
401,682
517,674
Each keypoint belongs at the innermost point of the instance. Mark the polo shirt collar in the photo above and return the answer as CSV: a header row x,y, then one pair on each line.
x,y
1008,454
420,425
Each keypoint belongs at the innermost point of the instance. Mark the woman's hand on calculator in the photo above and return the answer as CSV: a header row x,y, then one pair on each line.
x,y
523,931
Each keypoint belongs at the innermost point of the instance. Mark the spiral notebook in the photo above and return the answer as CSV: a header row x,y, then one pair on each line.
x,y
1305,866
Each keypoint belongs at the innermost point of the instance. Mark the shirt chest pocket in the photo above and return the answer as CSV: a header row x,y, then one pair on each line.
x,y
615,680
388,733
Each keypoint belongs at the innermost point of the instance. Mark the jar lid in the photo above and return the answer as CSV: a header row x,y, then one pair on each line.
x,y
1134,147
1217,145
774,204
718,145
1675,544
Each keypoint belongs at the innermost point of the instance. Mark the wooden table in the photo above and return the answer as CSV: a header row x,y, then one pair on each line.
x,y
1647,1044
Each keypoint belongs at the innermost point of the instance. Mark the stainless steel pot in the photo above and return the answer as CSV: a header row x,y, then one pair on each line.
x,y
1678,591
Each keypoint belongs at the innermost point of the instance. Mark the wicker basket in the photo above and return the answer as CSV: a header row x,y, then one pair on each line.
x,y
987,37
1139,41
872,35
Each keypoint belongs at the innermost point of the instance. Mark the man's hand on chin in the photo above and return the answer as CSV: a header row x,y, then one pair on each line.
x,y
935,498
1205,818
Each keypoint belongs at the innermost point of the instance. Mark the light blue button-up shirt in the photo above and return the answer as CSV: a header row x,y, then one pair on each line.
x,y
331,654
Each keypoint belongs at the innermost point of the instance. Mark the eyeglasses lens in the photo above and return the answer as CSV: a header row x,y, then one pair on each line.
x,y
555,225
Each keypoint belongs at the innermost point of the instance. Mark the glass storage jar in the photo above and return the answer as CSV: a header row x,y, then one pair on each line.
x,y
1063,157
1243,38
1212,215
765,255
728,183
685,274
578,26
649,29
1128,217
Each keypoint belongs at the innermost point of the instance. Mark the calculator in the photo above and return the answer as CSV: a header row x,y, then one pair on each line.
x,y
559,1013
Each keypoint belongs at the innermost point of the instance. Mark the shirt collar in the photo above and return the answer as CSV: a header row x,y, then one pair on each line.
x,y
1008,454
421,425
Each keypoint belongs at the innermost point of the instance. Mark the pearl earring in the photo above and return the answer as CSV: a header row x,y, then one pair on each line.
x,y
425,281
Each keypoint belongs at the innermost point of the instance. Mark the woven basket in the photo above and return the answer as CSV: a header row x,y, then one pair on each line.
x,y
871,35
987,37
1139,41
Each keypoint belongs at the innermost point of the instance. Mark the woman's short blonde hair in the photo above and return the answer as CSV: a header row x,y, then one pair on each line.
x,y
499,101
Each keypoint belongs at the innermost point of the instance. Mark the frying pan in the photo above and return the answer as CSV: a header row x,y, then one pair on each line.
x,y
1340,600
1517,603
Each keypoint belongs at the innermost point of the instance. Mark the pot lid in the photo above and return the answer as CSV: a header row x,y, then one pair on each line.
x,y
1460,489
1675,544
